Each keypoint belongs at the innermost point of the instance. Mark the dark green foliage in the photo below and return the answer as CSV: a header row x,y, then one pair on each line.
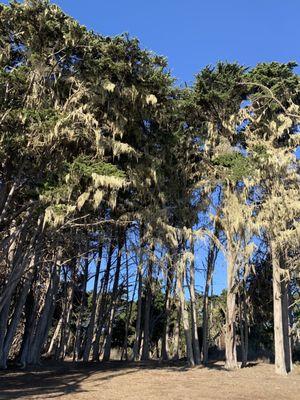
x,y
85,166
219,90
236,165
277,77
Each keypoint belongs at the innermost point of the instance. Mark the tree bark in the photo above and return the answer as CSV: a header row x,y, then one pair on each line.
x,y
107,347
205,314
176,335
195,339
282,341
90,330
185,319
129,305
165,338
67,313
243,326
148,301
43,325
230,332
55,339
102,303
78,333
19,261
15,319
137,342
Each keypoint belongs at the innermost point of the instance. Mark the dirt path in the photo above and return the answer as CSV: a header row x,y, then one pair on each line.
x,y
153,381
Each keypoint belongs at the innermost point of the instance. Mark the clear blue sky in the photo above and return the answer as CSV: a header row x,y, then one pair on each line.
x,y
194,33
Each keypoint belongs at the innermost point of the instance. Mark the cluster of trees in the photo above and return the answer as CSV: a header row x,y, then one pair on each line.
x,y
112,177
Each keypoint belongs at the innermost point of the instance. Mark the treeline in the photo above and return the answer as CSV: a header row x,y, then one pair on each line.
x,y
112,178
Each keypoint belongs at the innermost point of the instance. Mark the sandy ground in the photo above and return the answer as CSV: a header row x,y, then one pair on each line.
x,y
152,380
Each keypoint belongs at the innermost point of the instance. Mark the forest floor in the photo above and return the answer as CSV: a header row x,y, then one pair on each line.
x,y
148,381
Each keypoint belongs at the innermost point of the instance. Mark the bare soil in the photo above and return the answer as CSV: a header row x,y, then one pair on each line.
x,y
145,381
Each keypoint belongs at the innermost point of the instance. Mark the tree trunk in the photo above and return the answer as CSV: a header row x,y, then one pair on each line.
x,y
30,315
15,319
148,301
165,338
3,330
19,262
90,330
55,339
282,342
102,303
107,348
43,325
176,335
137,342
78,333
195,339
185,319
128,306
243,326
205,314
67,312
230,332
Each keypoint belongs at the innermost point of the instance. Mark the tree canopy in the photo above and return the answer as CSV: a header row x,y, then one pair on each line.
x,y
112,178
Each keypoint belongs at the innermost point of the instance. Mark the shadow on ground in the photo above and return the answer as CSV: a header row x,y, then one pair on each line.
x,y
52,380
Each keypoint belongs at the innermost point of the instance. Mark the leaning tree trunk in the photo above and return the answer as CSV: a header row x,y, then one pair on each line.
x,y
4,315
15,319
45,319
19,261
35,334
282,342
55,340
